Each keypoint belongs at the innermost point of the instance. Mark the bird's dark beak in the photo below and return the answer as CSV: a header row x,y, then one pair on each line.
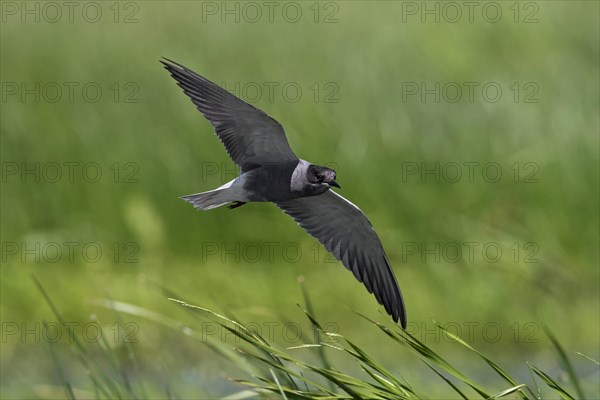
x,y
334,183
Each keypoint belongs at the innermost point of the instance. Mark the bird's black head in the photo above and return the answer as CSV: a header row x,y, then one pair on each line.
x,y
321,176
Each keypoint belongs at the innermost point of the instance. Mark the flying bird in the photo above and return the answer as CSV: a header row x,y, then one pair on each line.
x,y
271,172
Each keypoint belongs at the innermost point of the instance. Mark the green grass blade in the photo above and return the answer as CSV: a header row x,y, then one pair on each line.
x,y
426,353
278,384
316,327
492,364
68,388
552,383
589,358
448,381
129,349
244,394
508,391
387,386
104,383
361,355
537,388
565,363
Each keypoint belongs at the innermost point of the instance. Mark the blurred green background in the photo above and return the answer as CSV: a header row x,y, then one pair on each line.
x,y
378,100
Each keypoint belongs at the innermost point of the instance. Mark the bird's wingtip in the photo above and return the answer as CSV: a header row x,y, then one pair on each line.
x,y
403,321
169,64
401,317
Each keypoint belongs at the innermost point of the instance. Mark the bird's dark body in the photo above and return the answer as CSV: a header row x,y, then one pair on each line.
x,y
270,182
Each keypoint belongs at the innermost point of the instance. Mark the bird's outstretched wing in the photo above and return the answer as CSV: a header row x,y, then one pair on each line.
x,y
250,136
347,233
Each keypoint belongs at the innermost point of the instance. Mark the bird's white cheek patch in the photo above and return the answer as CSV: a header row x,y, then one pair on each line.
x,y
299,179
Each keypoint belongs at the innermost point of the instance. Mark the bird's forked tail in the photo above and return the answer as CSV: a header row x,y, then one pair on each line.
x,y
214,198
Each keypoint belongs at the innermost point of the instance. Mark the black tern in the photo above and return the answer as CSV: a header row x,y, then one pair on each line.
x,y
271,172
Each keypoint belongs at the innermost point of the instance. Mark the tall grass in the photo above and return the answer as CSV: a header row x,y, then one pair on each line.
x,y
275,372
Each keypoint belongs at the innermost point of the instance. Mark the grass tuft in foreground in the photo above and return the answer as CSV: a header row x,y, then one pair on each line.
x,y
274,372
